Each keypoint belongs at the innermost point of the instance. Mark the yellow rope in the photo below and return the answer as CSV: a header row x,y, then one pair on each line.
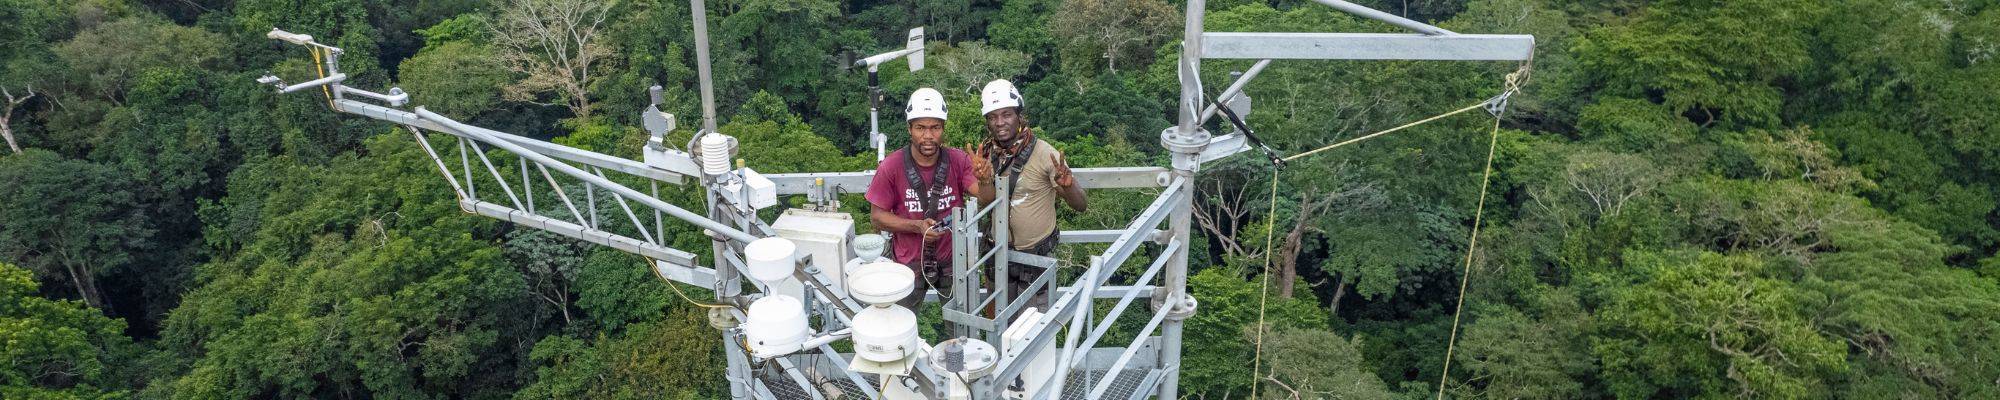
x,y
677,288
1471,244
1263,292
1390,130
321,67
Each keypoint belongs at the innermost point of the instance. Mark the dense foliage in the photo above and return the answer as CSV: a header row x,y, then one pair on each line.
x,y
1693,198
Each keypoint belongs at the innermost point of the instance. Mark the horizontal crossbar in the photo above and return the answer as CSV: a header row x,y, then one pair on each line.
x,y
1365,46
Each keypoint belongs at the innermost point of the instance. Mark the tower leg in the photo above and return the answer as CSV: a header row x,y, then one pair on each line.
x,y
1185,140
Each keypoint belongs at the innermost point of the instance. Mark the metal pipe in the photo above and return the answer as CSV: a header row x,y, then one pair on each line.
x,y
1190,60
1176,269
636,225
963,285
701,67
739,364
542,160
875,137
465,158
1003,240
502,180
330,79
590,202
1065,361
557,187
434,157
680,260
1126,300
1379,15
1125,357
560,152
659,226
527,187
396,97
1234,89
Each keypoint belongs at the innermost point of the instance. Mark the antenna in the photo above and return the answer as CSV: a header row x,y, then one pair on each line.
x,y
913,47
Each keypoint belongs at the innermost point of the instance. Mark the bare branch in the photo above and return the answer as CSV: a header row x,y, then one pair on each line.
x,y
553,43
7,115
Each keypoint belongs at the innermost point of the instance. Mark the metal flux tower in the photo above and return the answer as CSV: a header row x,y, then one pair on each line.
x,y
802,266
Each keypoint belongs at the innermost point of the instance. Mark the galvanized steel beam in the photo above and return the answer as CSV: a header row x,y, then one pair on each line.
x,y
1366,46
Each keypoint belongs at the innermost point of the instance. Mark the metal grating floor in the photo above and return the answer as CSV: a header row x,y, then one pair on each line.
x,y
784,388
846,389
1125,385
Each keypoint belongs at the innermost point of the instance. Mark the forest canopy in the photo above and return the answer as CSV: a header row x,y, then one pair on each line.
x,y
1691,198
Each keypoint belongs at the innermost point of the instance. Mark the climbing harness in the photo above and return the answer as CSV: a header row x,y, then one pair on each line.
x,y
929,198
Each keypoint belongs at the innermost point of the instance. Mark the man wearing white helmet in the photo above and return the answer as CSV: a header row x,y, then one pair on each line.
x,y
1037,173
910,195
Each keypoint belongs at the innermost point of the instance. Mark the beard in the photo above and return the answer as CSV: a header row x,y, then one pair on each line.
x,y
927,149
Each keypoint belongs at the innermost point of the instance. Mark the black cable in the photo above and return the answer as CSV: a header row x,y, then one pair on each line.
x,y
1276,161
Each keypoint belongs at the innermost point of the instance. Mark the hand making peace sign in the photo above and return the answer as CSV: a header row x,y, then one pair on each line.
x,y
1062,177
981,167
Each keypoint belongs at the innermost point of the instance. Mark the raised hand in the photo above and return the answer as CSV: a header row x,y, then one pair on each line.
x,y
1063,178
981,168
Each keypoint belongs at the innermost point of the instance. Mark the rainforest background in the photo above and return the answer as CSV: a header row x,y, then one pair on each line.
x,y
1693,198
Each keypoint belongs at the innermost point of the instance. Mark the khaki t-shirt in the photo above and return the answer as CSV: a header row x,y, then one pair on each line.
x,y
1032,211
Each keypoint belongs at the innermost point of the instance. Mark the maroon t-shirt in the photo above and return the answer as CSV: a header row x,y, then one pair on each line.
x,y
891,191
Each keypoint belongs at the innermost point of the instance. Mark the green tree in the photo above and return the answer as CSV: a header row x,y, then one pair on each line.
x,y
1109,31
1023,26
455,78
673,358
1068,106
1316,363
1228,308
362,278
69,221
107,58
1510,354
1706,324
57,349
1719,59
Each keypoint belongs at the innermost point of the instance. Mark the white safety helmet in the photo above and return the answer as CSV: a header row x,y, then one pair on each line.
x,y
925,103
998,94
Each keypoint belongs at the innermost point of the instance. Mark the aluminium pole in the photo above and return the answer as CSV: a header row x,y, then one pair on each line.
x,y
1186,143
1391,19
701,65
727,279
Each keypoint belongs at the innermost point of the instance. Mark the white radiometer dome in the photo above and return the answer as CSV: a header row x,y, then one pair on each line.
x,y
776,322
881,283
771,259
885,334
